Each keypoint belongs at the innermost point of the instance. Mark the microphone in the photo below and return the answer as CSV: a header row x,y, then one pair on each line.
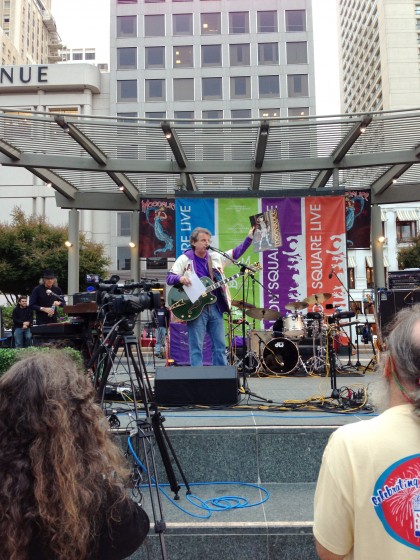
x,y
330,275
48,292
211,248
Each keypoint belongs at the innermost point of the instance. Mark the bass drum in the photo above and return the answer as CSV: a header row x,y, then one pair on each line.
x,y
281,356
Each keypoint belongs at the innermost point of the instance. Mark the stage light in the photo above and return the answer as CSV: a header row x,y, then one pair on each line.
x,y
68,244
132,244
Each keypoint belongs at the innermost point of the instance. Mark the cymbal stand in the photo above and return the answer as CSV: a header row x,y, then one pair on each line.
x,y
330,362
316,363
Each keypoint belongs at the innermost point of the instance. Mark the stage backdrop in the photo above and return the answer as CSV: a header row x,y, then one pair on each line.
x,y
313,235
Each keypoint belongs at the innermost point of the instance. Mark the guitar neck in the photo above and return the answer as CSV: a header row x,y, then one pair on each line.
x,y
216,285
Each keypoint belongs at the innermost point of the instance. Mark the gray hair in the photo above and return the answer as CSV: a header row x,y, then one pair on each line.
x,y
404,348
196,232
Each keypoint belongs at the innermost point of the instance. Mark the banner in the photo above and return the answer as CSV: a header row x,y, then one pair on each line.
x,y
157,228
358,219
192,213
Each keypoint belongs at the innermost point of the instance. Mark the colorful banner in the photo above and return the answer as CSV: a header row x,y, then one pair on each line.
x,y
157,228
192,213
358,219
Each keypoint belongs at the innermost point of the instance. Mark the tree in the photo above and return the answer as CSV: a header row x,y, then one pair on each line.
x,y
29,245
409,257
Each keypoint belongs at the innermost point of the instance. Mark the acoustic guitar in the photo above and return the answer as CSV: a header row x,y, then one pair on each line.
x,y
185,310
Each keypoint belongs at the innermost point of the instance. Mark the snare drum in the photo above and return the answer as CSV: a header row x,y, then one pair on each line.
x,y
294,327
281,356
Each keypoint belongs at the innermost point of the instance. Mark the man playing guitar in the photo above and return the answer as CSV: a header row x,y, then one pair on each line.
x,y
205,263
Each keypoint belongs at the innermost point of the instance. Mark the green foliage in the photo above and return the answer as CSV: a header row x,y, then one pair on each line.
x,y
409,257
7,316
8,356
29,245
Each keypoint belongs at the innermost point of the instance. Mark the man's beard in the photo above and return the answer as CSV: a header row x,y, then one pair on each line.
x,y
378,392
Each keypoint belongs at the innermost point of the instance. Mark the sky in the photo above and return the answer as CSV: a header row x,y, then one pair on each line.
x,y
92,30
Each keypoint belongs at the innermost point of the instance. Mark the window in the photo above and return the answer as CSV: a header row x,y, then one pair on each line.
x,y
77,56
127,115
269,113
238,22
295,20
212,88
211,24
182,24
269,86
154,26
240,87
239,54
352,284
213,115
267,22
298,111
127,58
405,231
90,56
183,57
155,90
268,53
160,263
127,90
124,224
126,26
155,57
183,89
240,114
153,1
181,115
155,115
297,85
123,258
297,53
211,55
126,1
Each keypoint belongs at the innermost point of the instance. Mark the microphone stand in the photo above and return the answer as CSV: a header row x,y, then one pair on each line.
x,y
357,309
243,267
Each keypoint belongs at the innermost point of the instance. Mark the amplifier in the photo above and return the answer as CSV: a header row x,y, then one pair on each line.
x,y
407,279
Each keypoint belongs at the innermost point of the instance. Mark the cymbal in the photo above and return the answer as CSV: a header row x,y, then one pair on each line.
x,y
262,313
242,304
317,298
295,305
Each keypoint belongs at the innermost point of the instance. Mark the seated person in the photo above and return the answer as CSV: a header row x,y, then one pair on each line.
x,y
22,318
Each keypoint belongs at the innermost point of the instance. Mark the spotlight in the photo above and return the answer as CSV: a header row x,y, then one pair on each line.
x,y
132,244
381,239
68,244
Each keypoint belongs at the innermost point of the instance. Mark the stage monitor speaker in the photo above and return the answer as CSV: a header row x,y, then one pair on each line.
x,y
211,385
391,301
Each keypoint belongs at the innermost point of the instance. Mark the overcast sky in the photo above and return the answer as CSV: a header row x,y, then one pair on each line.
x,y
86,24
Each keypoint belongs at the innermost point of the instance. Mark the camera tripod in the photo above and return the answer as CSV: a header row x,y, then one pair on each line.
x,y
121,343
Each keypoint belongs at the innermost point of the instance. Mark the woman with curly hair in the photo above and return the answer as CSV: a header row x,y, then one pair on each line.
x,y
63,480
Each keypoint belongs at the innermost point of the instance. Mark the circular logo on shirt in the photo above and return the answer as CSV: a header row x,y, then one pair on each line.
x,y
396,498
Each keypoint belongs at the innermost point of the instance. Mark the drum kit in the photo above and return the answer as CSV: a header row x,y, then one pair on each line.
x,y
276,352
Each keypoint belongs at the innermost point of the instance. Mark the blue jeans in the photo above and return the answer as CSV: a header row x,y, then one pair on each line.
x,y
23,338
211,321
160,339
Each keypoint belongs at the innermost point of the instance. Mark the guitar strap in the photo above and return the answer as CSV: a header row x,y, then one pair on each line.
x,y
210,268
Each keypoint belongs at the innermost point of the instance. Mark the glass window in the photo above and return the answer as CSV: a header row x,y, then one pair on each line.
x,y
90,56
182,24
238,22
126,26
240,114
211,24
240,86
155,57
180,115
297,53
269,86
269,113
124,224
127,115
211,55
298,111
405,231
154,26
123,258
155,90
183,89
183,57
127,58
212,88
126,1
297,85
295,20
267,22
155,115
213,116
239,54
127,90
77,56
154,1
268,53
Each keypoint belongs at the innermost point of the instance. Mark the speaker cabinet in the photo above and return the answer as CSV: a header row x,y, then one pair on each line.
x,y
391,301
212,385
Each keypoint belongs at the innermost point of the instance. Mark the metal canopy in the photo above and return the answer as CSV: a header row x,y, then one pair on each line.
x,y
108,163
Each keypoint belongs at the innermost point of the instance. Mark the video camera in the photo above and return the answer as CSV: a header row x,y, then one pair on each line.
x,y
125,299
